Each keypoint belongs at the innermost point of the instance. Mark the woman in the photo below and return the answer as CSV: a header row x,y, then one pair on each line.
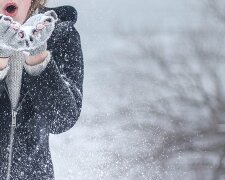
x,y
41,85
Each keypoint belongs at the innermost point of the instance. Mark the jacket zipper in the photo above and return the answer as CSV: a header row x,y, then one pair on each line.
x,y
13,126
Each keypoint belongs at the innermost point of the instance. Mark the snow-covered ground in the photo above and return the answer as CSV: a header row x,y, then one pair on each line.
x,y
111,140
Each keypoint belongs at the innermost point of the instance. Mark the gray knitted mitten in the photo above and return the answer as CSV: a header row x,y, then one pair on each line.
x,y
38,29
11,37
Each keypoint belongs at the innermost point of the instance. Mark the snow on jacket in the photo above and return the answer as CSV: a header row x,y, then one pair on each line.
x,y
49,103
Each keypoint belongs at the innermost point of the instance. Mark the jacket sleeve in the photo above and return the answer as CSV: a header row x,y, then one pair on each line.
x,y
3,74
38,68
57,92
1,86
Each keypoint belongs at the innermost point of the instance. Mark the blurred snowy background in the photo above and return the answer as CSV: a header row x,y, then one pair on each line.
x,y
154,99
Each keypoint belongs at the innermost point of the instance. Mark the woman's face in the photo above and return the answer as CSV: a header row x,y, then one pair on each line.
x,y
17,9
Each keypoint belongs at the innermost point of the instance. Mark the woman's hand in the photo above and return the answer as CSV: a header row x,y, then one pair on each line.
x,y
39,29
11,37
37,59
3,63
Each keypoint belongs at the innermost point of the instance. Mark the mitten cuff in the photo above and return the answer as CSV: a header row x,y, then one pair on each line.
x,y
37,69
5,53
38,50
4,72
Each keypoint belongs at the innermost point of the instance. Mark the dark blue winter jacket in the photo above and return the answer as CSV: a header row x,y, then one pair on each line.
x,y
49,103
